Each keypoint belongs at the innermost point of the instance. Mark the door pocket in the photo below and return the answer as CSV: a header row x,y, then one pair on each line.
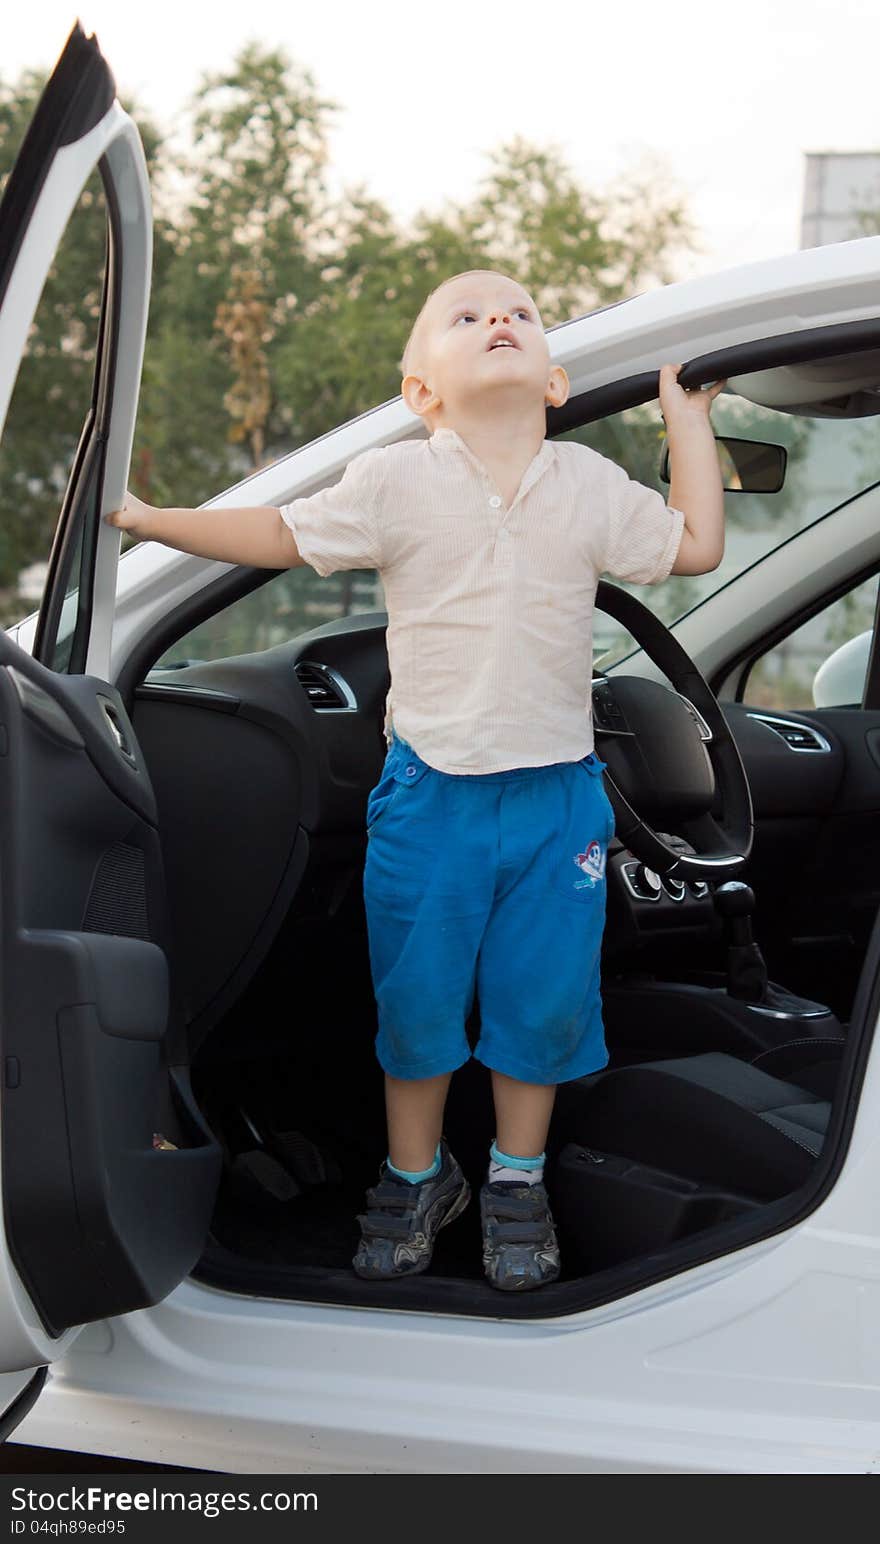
x,y
93,1092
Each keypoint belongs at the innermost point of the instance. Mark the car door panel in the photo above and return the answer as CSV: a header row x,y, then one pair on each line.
x,y
88,1061
815,866
108,1170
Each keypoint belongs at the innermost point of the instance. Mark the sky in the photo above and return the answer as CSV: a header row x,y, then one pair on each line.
x,y
726,98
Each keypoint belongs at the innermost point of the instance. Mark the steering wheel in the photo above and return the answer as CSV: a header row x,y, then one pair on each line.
x,y
669,750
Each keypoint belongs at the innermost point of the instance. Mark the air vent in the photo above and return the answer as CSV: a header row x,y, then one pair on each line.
x,y
800,737
324,687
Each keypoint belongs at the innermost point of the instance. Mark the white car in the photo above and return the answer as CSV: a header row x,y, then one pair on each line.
x,y
191,1106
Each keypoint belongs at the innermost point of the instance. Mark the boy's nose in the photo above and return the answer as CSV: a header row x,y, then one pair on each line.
x,y
494,319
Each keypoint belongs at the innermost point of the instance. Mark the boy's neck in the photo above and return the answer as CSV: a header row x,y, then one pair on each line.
x,y
517,436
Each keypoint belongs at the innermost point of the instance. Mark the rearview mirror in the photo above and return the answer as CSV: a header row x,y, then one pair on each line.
x,y
747,466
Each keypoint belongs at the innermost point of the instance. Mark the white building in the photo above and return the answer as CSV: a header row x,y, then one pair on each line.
x,y
838,186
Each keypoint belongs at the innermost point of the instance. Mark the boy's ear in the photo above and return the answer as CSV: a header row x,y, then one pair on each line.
x,y
417,395
558,387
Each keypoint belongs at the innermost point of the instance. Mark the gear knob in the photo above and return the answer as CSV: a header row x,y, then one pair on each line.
x,y
746,971
734,899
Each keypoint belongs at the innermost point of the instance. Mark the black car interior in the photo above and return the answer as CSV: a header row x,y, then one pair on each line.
x,y
726,1036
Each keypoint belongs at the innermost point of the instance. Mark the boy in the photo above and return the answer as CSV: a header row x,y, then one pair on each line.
x,y
488,829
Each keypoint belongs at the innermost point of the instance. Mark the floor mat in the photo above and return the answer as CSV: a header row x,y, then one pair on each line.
x,y
318,1226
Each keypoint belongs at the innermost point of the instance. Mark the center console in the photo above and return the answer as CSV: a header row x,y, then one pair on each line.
x,y
737,1009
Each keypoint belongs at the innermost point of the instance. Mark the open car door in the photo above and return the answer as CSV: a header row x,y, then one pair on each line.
x,y
108,1172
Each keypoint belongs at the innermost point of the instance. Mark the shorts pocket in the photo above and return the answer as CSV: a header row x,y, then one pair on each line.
x,y
402,770
594,769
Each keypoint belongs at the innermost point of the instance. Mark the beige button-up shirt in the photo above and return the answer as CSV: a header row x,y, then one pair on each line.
x,y
490,610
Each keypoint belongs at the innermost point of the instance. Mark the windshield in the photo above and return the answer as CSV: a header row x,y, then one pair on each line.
x,y
829,460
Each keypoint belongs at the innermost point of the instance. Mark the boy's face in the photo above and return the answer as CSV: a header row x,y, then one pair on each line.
x,y
481,334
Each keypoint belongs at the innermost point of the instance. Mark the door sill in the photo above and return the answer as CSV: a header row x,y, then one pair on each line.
x,y
431,1292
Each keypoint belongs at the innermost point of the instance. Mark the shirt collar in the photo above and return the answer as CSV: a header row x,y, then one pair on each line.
x,y
450,439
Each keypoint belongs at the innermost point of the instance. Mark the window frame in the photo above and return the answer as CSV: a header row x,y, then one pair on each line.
x,y
778,634
87,472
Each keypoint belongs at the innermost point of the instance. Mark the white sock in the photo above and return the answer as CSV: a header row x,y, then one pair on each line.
x,y
512,1170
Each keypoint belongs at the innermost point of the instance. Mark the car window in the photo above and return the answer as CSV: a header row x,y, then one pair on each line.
x,y
829,460
292,603
822,663
49,407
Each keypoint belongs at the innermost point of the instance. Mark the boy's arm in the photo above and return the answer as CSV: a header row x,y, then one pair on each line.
x,y
335,528
256,536
695,485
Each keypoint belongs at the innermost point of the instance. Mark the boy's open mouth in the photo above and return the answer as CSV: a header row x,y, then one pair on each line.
x,y
502,339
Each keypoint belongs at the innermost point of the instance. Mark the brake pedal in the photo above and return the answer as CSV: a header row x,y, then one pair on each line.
x,y
305,1160
261,1169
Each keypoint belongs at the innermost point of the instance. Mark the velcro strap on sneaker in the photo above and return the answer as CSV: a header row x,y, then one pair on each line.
x,y
520,1207
386,1197
534,1232
383,1225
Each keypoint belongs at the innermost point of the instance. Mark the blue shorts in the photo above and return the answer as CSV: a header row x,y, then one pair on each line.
x,y
490,882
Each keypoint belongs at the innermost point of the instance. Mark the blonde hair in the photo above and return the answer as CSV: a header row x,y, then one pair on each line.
x,y
407,358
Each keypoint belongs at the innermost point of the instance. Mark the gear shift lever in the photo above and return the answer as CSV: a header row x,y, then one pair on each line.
x,y
746,970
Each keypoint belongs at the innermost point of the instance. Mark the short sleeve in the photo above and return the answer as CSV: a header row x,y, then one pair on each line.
x,y
338,527
643,533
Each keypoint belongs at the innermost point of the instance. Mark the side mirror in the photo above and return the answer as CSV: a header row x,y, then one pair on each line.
x,y
747,466
840,681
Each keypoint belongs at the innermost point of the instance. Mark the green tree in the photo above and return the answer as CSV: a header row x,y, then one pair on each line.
x,y
243,319
333,286
574,250
249,194
340,355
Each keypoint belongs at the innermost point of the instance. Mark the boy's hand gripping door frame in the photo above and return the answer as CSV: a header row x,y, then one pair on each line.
x,y
98,1217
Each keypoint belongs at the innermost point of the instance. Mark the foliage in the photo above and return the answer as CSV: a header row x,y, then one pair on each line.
x,y
243,319
277,311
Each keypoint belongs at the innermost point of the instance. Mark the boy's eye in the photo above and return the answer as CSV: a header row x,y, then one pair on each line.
x,y
471,316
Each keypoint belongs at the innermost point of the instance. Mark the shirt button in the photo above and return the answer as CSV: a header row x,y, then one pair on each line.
x,y
410,771
504,531
495,501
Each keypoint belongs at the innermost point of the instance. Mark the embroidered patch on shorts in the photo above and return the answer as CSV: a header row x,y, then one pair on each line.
x,y
591,864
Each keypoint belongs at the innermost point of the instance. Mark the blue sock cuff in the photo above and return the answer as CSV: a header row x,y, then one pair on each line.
x,y
509,1161
414,1176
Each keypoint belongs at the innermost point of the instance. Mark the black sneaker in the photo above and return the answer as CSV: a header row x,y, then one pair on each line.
x,y
519,1241
402,1220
